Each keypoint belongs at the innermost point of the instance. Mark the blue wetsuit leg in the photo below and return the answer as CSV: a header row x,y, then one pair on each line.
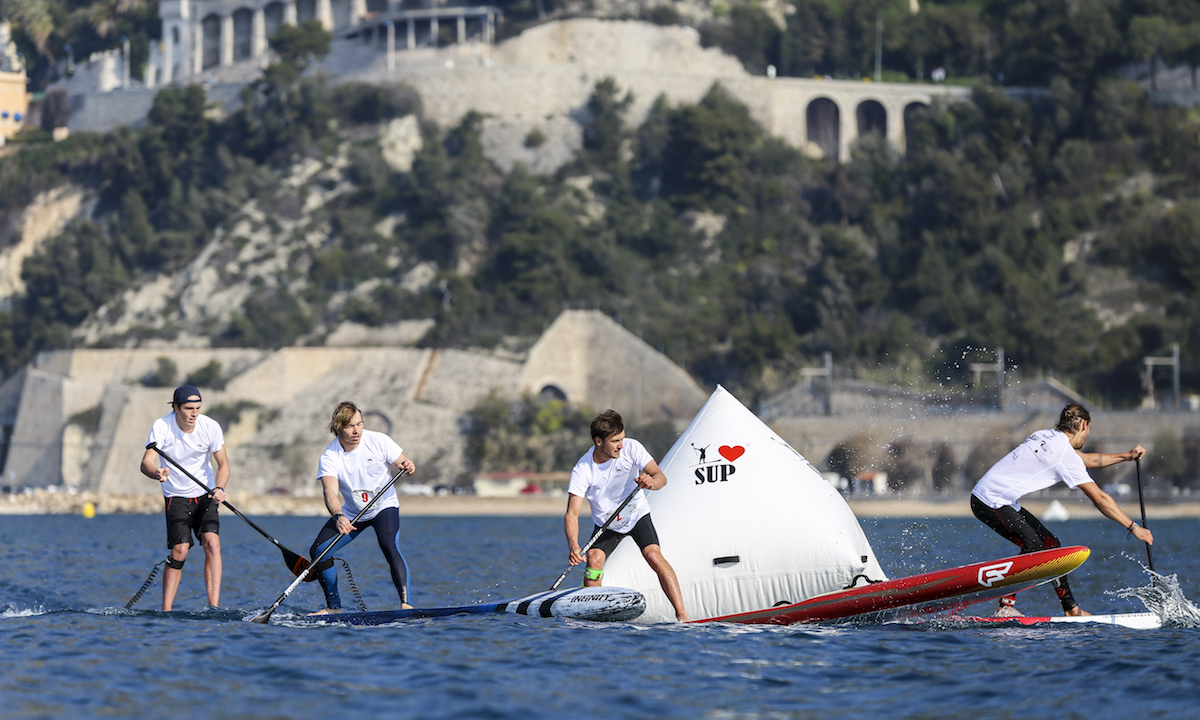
x,y
328,576
387,532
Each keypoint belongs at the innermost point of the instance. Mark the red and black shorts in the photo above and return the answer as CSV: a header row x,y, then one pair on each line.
x,y
186,516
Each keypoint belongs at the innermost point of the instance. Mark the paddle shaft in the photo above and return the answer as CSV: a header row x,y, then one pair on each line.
x,y
1142,502
295,562
595,537
264,617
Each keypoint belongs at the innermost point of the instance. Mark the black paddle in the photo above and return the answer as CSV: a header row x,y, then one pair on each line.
x,y
1142,502
295,562
595,537
264,617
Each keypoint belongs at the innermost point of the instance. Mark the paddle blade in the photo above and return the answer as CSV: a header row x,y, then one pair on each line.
x,y
296,563
263,618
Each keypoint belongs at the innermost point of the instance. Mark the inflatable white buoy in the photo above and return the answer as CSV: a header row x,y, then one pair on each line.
x,y
1055,512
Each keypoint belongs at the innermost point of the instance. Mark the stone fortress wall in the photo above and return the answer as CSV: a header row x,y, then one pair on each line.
x,y
80,417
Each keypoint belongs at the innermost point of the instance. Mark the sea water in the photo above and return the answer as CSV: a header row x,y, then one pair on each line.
x,y
68,648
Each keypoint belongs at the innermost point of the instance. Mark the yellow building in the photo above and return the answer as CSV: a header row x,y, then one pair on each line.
x,y
14,97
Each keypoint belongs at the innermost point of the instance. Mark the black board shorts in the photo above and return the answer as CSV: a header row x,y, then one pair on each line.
x,y
190,515
643,533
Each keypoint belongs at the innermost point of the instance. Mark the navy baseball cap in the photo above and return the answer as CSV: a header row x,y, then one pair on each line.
x,y
184,393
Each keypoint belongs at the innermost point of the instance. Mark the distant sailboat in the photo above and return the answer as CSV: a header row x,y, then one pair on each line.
x,y
746,522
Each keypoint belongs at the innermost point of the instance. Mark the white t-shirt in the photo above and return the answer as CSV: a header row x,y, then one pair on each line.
x,y
1046,457
190,450
362,472
605,485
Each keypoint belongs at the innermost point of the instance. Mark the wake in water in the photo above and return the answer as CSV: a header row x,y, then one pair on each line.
x,y
1164,597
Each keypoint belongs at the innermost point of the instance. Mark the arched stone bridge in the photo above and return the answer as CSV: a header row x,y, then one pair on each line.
x,y
830,115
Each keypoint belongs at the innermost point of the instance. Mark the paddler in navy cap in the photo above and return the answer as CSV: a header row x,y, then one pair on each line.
x,y
1045,458
189,438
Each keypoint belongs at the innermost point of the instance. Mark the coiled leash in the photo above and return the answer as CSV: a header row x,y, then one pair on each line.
x,y
145,586
358,598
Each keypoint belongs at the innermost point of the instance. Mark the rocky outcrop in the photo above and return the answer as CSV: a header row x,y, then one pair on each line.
x,y
44,218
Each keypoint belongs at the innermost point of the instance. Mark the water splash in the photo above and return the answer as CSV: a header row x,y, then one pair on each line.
x,y
1164,597
12,611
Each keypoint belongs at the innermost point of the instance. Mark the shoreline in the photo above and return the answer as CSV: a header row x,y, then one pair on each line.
x,y
41,502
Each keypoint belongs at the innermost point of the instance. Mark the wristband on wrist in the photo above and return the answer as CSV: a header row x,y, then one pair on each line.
x,y
338,515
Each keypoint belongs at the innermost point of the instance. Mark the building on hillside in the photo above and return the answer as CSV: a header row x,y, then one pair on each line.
x,y
14,96
199,35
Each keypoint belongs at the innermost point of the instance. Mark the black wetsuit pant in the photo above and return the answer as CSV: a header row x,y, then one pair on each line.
x,y
1028,533
387,533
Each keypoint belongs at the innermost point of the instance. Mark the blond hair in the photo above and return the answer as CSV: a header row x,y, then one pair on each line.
x,y
343,415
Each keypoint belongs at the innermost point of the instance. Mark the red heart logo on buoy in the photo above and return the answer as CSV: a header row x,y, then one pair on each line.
x,y
731,453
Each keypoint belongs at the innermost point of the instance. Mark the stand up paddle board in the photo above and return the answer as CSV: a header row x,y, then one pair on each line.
x,y
932,592
602,604
1136,621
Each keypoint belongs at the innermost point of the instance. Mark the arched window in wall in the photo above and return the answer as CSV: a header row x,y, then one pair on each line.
x,y
243,31
552,392
871,118
341,14
272,18
306,10
211,27
823,126
913,115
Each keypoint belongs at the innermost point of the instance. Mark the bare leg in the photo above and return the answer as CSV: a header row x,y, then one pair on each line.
x,y
667,579
1077,612
171,576
212,567
595,561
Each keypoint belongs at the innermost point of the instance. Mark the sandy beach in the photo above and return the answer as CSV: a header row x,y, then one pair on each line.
x,y
41,502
